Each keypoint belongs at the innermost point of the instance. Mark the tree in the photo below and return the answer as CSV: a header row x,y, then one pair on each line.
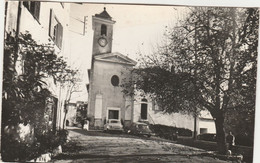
x,y
25,92
69,80
208,61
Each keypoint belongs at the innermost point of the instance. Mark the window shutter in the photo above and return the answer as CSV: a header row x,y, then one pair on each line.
x,y
26,4
60,35
37,10
55,30
52,21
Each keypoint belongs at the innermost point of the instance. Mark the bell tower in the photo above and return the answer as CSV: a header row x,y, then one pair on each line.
x,y
102,24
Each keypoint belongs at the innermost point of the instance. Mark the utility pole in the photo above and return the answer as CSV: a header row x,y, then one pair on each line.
x,y
195,73
85,25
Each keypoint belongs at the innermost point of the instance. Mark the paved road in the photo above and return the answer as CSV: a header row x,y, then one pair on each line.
x,y
94,146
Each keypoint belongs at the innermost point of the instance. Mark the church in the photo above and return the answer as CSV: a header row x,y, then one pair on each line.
x,y
106,99
108,69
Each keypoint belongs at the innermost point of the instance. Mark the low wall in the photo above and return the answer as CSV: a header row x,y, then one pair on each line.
x,y
247,152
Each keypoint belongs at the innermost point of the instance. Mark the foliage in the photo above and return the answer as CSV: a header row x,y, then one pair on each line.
x,y
208,61
22,93
169,131
27,67
22,151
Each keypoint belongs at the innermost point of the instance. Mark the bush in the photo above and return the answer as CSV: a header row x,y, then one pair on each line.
x,y
15,150
24,96
244,140
169,132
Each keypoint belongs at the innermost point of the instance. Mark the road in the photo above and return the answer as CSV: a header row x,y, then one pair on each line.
x,y
96,146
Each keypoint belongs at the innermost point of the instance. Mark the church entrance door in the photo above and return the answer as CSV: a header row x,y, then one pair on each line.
x,y
113,113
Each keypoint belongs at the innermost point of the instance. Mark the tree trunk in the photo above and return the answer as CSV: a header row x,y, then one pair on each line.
x,y
65,116
64,120
221,138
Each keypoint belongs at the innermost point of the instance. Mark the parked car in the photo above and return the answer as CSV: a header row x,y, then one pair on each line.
x,y
113,125
138,128
207,137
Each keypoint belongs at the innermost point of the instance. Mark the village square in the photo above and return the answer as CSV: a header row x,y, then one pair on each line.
x,y
86,82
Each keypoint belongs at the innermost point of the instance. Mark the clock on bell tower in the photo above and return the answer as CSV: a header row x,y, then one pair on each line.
x,y
102,25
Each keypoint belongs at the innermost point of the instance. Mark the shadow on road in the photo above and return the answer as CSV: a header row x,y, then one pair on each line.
x,y
66,156
110,134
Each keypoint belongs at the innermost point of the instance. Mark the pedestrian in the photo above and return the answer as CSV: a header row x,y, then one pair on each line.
x,y
82,123
230,140
86,125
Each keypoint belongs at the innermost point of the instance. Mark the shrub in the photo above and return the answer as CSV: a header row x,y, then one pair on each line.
x,y
169,132
16,150
244,140
24,96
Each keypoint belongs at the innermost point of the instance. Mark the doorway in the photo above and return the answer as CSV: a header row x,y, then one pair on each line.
x,y
113,113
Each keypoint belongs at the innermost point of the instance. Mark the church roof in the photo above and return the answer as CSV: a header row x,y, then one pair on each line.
x,y
104,15
115,58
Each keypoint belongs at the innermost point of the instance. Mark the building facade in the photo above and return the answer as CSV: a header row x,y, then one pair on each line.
x,y
146,110
47,23
108,70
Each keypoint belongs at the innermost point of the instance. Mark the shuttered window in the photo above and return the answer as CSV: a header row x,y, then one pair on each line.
x,y
55,30
33,8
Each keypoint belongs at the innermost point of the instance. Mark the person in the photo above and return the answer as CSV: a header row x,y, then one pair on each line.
x,y
67,122
230,140
82,123
86,125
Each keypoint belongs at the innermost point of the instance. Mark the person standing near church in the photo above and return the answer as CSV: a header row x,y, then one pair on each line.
x,y
230,140
82,123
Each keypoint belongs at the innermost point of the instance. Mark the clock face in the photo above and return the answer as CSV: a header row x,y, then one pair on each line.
x,y
102,42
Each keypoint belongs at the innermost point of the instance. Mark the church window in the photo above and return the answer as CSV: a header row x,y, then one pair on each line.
x,y
144,100
115,80
144,109
103,30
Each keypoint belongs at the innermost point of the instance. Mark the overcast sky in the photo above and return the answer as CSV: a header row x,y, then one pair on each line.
x,y
137,28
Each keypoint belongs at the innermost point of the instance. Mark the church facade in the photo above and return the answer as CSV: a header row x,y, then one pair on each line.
x,y
106,99
108,70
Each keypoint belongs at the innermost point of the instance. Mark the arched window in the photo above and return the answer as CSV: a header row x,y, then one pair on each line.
x,y
144,100
103,30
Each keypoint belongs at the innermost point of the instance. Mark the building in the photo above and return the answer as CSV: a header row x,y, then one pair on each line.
x,y
75,112
47,22
106,99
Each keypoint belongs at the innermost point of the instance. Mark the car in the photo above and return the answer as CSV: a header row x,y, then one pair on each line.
x,y
139,128
113,125
207,137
